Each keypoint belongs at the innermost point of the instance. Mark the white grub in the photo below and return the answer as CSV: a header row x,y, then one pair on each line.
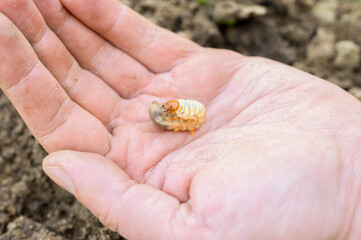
x,y
178,115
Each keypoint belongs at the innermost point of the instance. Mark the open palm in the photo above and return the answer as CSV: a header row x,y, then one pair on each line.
x,y
275,158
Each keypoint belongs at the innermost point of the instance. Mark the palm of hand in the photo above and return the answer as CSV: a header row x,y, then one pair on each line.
x,y
274,137
271,138
264,121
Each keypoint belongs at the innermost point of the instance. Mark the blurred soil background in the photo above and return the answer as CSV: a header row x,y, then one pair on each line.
x,y
322,37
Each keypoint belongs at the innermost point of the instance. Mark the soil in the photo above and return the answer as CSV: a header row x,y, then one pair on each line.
x,y
322,37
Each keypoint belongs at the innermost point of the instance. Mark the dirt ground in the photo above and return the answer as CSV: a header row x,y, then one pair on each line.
x,y
322,37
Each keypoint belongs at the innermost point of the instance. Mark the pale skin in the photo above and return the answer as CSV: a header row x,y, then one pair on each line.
x,y
278,157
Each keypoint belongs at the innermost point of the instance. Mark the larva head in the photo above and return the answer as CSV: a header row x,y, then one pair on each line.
x,y
170,106
159,117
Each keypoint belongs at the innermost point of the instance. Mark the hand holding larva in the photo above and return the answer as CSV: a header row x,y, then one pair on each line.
x,y
178,115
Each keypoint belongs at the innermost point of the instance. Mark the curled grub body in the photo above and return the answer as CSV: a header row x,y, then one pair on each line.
x,y
178,115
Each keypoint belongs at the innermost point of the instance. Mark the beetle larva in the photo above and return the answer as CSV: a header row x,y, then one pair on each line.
x,y
178,115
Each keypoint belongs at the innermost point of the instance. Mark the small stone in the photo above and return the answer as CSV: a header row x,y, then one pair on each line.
x,y
325,10
251,10
8,153
321,46
229,12
205,31
347,54
225,12
356,92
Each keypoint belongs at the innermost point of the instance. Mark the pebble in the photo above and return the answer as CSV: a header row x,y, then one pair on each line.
x,y
325,10
321,47
347,54
356,92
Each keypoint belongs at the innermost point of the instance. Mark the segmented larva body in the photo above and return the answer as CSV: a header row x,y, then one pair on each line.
x,y
190,109
178,115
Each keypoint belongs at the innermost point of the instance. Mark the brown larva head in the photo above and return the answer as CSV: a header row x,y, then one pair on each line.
x,y
170,106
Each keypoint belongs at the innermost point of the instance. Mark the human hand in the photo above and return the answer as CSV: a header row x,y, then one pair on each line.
x,y
277,158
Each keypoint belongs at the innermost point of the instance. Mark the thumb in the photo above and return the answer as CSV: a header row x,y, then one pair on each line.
x,y
136,211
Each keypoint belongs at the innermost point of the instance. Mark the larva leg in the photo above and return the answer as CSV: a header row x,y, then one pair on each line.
x,y
171,118
180,125
192,128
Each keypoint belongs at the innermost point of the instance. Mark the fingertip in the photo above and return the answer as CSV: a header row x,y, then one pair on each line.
x,y
110,194
53,168
78,170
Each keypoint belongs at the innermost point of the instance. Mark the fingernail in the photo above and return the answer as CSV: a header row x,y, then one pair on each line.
x,y
58,175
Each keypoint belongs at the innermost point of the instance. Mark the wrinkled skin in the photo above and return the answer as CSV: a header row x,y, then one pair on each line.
x,y
277,158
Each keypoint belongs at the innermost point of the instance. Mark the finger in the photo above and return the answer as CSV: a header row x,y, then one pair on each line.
x,y
158,49
82,87
136,211
120,71
54,119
